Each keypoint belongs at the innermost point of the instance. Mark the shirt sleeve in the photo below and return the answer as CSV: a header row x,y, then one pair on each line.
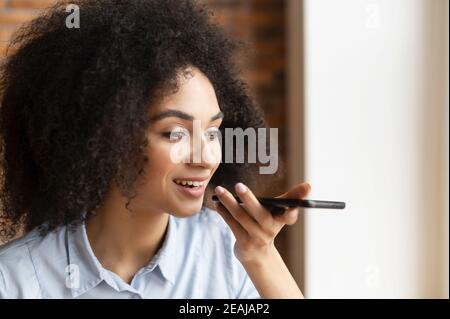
x,y
248,290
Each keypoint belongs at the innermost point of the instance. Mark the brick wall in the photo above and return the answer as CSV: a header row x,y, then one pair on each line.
x,y
260,22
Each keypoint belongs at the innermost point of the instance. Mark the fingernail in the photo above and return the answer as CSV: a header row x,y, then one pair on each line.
x,y
219,190
240,188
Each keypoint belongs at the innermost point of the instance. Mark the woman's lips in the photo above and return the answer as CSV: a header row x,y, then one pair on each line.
x,y
194,192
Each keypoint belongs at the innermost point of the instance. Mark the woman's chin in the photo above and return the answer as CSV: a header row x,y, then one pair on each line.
x,y
187,210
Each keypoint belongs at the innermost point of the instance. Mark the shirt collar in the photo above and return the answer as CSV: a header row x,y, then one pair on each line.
x,y
88,271
165,258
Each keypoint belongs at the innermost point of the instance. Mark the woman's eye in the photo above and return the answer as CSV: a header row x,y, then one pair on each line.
x,y
174,136
212,135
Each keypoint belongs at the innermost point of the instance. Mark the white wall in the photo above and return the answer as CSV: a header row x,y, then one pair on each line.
x,y
374,138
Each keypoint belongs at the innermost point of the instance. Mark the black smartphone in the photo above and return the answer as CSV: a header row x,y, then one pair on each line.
x,y
278,205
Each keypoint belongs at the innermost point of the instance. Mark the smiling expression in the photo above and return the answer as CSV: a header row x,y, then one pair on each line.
x,y
178,187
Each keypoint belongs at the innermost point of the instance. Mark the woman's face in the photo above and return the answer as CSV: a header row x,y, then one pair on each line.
x,y
184,148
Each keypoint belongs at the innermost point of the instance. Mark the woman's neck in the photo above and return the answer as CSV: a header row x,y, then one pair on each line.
x,y
125,241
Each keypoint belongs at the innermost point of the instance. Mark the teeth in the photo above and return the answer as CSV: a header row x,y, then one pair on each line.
x,y
190,183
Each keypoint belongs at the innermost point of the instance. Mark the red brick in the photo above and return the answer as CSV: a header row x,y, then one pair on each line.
x,y
16,17
30,4
6,32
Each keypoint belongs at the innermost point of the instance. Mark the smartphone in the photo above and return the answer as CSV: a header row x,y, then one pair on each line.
x,y
278,205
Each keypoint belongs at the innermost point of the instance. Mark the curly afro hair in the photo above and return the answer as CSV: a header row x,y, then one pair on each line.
x,y
74,103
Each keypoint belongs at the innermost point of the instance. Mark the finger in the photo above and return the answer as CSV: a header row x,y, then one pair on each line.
x,y
299,191
239,232
289,217
240,214
276,210
254,207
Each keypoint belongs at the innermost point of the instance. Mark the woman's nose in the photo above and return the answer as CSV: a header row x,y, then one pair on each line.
x,y
204,153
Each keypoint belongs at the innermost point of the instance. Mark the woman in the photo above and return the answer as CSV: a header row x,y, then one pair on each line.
x,y
89,119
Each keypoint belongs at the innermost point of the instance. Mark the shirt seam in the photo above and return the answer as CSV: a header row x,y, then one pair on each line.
x,y
230,264
19,245
35,271
198,254
227,236
2,277
236,294
239,294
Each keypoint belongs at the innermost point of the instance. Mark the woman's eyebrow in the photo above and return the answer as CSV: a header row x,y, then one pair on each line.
x,y
181,115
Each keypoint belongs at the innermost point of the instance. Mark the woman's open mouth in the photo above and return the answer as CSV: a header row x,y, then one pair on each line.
x,y
191,188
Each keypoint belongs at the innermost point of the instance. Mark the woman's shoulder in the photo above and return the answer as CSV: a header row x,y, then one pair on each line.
x,y
17,249
18,258
35,239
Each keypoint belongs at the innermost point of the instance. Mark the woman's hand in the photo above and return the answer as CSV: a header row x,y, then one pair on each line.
x,y
255,229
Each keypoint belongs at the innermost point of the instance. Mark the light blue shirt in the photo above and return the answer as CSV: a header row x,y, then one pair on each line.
x,y
196,260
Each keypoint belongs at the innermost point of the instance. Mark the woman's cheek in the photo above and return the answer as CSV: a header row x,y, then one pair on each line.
x,y
164,153
158,162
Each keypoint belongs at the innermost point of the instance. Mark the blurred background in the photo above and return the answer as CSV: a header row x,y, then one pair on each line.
x,y
359,92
